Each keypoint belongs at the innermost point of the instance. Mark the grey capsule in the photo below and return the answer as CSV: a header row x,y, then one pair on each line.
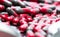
x,y
49,10
41,1
18,9
7,3
10,11
15,2
58,10
52,7
22,4
4,13
26,3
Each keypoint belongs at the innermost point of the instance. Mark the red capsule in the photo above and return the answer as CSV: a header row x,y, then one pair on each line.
x,y
30,34
9,18
23,19
29,18
34,0
26,10
4,17
57,3
46,10
23,27
23,15
2,7
4,13
43,10
39,15
37,29
15,20
22,22
34,11
1,1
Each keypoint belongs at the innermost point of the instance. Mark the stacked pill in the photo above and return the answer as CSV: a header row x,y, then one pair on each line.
x,y
32,18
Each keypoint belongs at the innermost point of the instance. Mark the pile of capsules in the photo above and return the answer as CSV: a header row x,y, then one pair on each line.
x,y
31,18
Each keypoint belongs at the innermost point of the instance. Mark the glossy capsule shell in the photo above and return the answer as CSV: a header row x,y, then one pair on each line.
x,y
2,7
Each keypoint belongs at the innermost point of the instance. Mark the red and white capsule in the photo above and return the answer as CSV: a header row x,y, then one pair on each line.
x,y
30,34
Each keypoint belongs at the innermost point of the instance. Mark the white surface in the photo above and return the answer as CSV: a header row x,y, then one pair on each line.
x,y
53,30
9,29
